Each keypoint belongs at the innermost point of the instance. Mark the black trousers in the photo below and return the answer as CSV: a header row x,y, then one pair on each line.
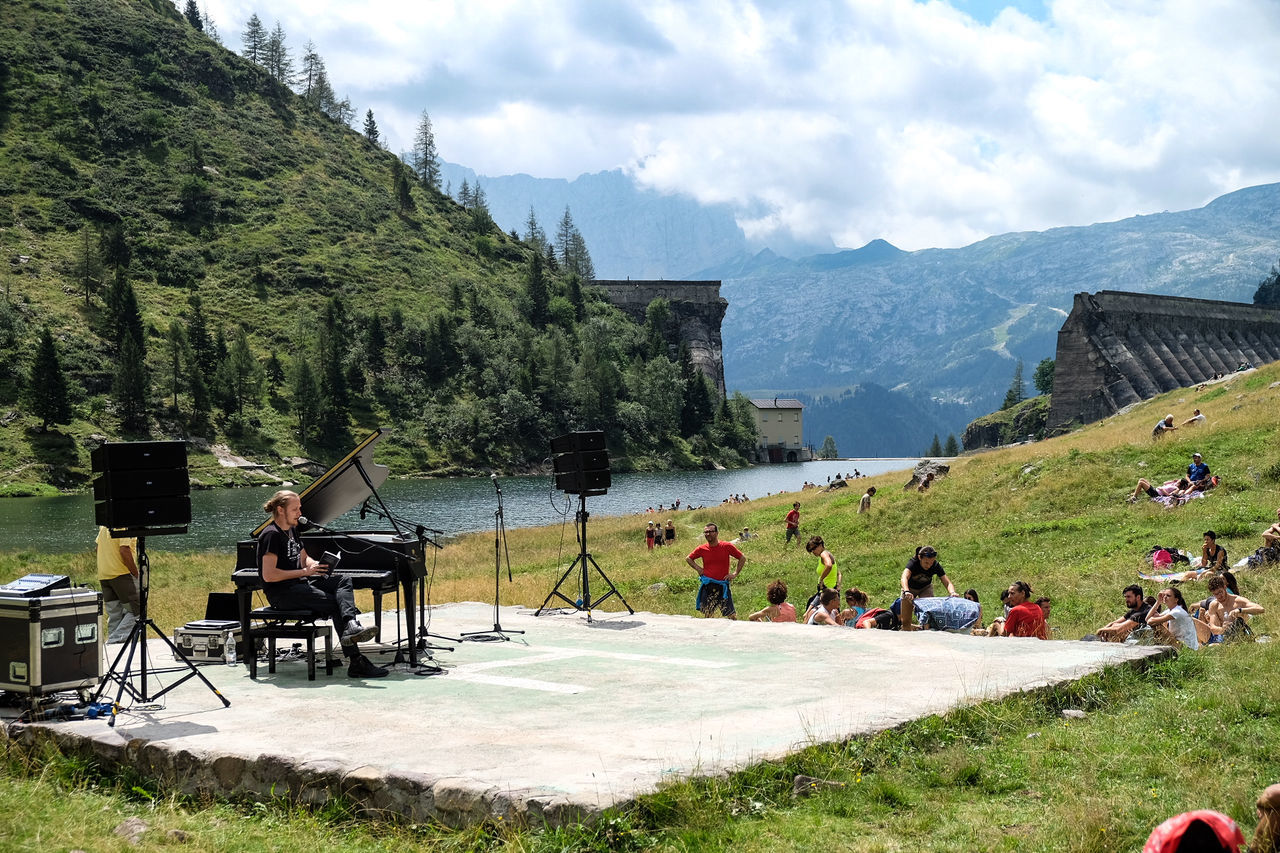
x,y
328,597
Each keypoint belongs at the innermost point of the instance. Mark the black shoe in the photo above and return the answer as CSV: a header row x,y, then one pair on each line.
x,y
357,633
362,667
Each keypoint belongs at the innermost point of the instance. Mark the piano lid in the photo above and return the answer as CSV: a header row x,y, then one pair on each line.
x,y
341,487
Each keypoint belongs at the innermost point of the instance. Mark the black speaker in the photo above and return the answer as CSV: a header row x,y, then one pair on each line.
x,y
142,487
581,463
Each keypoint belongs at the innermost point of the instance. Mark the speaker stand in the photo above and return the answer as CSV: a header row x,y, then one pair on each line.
x,y
582,561
137,644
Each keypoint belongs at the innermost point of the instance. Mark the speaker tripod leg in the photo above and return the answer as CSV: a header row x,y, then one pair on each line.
x,y
555,591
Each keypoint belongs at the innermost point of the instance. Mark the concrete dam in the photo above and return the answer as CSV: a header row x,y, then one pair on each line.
x,y
1118,348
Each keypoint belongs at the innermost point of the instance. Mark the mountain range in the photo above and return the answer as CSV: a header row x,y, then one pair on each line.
x,y
929,339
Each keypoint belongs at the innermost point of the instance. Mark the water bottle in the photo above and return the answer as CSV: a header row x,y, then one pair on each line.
x,y
229,650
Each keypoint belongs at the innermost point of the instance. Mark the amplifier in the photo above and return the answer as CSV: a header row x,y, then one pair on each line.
x,y
51,643
30,586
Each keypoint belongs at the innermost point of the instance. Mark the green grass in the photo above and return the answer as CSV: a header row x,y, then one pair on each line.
x,y
1199,730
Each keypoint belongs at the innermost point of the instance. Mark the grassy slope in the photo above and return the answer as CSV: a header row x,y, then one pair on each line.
x,y
99,107
1199,731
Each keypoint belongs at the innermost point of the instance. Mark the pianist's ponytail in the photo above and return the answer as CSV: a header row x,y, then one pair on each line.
x,y
277,500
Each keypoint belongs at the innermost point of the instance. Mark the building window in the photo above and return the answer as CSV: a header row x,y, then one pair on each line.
x,y
797,417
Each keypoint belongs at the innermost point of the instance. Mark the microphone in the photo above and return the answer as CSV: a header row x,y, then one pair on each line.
x,y
496,487
303,520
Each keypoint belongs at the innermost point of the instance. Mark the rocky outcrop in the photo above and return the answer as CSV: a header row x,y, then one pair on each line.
x,y
1023,422
1118,348
697,306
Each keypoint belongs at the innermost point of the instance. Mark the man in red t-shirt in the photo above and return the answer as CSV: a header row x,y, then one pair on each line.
x,y
714,592
793,523
1025,619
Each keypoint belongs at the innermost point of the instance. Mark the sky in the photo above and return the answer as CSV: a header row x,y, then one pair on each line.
x,y
928,124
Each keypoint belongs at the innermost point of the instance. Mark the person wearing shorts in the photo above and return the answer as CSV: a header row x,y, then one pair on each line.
x,y
714,593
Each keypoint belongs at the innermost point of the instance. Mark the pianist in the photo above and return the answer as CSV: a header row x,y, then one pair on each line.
x,y
294,581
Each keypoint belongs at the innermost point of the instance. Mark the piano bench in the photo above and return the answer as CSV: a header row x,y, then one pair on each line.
x,y
276,624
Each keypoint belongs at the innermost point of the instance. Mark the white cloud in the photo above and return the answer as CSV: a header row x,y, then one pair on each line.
x,y
847,119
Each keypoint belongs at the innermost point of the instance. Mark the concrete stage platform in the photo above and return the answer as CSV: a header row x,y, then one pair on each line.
x,y
566,719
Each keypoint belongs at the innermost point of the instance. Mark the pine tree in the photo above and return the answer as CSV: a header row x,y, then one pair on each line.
x,y
1017,390
579,262
306,400
400,181
198,337
564,236
124,317
278,62
1268,292
533,233
426,159
535,285
935,448
241,375
46,386
952,447
370,128
192,14
178,345
254,40
88,265
114,247
209,27
464,195
131,387
828,450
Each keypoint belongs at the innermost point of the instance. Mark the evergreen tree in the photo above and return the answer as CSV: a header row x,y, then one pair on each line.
x,y
464,195
370,128
579,261
399,178
240,375
254,40
198,337
210,28
46,386
828,450
1043,377
114,247
698,407
193,16
1268,292
124,317
564,236
334,396
1017,389
657,327
88,265
426,159
573,287
535,285
131,386
935,447
533,233
276,59
952,447
178,345
306,400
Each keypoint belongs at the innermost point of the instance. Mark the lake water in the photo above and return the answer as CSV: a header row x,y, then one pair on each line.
x,y
221,517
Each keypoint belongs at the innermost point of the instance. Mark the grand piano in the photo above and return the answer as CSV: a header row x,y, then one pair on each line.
x,y
378,560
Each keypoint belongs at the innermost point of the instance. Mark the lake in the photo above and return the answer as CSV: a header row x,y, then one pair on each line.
x,y
221,517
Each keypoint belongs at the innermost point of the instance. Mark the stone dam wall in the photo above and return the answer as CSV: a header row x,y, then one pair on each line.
x,y
697,307
1117,348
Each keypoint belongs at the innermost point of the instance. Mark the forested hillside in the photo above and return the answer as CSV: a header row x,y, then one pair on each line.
x,y
219,256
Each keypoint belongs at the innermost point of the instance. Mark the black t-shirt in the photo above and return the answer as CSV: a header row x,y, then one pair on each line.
x,y
1138,615
921,577
285,546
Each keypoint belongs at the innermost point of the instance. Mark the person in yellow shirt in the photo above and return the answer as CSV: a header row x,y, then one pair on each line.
x,y
118,575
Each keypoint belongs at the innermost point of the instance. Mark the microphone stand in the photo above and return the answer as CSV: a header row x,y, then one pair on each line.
x,y
415,666
421,532
498,633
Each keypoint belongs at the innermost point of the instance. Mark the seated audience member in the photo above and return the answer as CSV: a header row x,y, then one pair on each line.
x,y
1229,613
1173,624
1195,420
1270,550
972,595
747,535
1162,426
1198,472
1046,605
1135,617
925,483
1025,618
1266,836
855,604
997,624
1201,831
825,611
1212,555
1170,489
779,609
